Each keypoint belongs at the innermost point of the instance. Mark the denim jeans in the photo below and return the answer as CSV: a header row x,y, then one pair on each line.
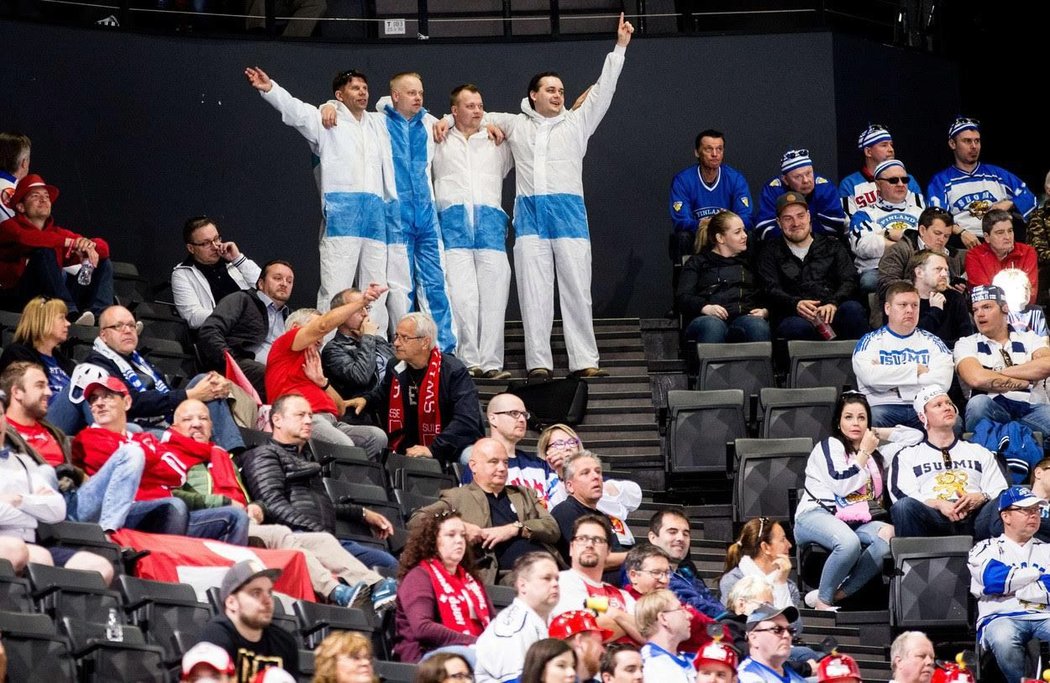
x,y
227,524
707,329
109,495
856,554
1001,409
159,516
850,322
44,276
913,517
1007,638
368,555
869,280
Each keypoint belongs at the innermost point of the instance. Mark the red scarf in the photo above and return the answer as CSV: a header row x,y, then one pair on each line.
x,y
429,418
220,466
458,595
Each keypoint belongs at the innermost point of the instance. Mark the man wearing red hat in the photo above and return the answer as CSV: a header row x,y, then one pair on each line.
x,y
715,663
34,251
836,668
581,630
207,663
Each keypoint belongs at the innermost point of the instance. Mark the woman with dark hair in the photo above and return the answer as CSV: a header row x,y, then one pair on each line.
x,y
840,501
717,290
40,331
761,549
549,661
444,667
441,601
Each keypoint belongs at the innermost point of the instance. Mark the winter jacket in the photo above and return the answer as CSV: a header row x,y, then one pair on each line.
x,y
710,278
350,362
18,237
827,274
238,324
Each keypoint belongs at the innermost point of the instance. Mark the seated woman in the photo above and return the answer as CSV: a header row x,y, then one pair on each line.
x,y
344,657
444,667
718,291
845,474
441,602
762,549
748,594
549,661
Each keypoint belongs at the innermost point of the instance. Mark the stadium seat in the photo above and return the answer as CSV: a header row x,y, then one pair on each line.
x,y
348,463
395,672
410,502
501,596
35,650
81,536
253,437
767,469
103,660
930,585
306,666
418,475
15,595
821,364
747,366
316,621
375,498
788,412
161,609
73,593
701,423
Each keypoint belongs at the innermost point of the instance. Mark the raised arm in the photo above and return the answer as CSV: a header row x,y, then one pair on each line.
x,y
298,114
320,326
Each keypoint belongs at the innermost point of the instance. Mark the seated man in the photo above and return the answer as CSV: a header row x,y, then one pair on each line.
x,y
1010,577
943,310
933,232
294,366
810,279
897,360
213,482
503,522
246,324
581,631
1000,251
1040,486
912,658
507,423
358,358
246,630
582,474
15,151
769,635
859,190
115,354
669,531
1000,368
501,647
26,499
940,485
34,251
213,270
440,429
881,224
664,623
105,498
155,509
285,479
591,536
622,663
820,196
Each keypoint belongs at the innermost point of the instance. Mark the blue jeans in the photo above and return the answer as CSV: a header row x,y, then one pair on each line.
x,y
707,329
1007,639
44,276
109,495
159,516
869,280
912,517
1001,409
369,556
227,524
856,554
850,322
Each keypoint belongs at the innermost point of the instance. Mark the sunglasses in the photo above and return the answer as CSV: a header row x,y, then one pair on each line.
x,y
896,180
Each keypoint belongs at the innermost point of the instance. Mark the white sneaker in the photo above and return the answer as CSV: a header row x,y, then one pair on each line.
x,y
87,318
811,599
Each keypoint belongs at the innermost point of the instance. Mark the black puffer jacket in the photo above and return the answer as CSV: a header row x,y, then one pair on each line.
x,y
826,275
726,281
238,324
288,484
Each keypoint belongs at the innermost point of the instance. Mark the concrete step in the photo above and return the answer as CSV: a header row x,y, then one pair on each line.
x,y
627,378
601,325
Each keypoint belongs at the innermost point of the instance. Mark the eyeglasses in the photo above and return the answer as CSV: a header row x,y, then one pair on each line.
x,y
896,180
657,574
405,338
778,631
563,443
946,457
676,609
516,414
125,326
591,540
1034,511
214,242
965,120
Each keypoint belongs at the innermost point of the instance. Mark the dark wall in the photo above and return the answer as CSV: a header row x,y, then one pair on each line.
x,y
140,132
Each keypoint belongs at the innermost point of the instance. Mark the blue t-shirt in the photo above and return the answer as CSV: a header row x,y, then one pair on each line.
x,y
57,378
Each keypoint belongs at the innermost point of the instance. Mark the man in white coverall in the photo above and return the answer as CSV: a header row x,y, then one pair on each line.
x,y
468,169
550,220
357,181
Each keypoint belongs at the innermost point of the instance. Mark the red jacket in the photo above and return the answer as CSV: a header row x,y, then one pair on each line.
x,y
163,471
982,265
220,466
18,237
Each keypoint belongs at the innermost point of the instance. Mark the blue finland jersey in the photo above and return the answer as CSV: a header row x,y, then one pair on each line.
x,y
693,199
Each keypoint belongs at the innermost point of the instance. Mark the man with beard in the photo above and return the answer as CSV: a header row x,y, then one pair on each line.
x,y
810,279
942,309
897,360
245,630
934,230
502,645
581,631
588,548
665,624
669,531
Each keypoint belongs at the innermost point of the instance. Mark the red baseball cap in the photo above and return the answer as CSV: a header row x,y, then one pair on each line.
x,y
836,667
28,183
716,652
110,383
568,624
209,654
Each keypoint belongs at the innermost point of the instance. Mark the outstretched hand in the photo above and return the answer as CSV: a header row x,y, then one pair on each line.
x,y
623,32
258,79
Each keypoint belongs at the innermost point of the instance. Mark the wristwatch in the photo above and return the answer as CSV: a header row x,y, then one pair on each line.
x,y
520,528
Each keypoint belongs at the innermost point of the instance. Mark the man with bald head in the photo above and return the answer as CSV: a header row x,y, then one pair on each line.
x,y
115,354
503,521
912,659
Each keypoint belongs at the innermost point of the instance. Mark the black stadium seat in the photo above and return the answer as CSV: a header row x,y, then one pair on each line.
x,y
73,593
14,591
35,650
316,621
701,423
103,660
160,609
766,470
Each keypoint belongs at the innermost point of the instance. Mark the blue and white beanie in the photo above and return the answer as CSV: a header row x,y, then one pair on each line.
x,y
873,134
